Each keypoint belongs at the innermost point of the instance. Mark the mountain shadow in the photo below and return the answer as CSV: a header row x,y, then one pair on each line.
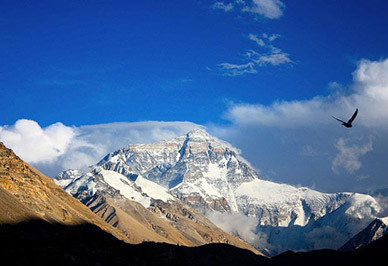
x,y
38,242
373,254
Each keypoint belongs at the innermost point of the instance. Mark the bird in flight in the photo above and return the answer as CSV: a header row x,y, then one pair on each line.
x,y
349,123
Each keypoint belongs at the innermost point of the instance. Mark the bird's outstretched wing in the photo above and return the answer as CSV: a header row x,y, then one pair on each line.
x,y
353,116
338,119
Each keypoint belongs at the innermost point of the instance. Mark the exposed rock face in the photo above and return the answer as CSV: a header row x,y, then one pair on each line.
x,y
210,176
140,205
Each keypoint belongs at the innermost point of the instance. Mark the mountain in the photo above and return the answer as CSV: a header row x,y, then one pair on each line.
x,y
374,231
26,194
142,209
209,175
197,168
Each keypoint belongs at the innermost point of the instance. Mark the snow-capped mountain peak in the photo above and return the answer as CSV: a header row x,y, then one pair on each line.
x,y
196,165
209,175
199,133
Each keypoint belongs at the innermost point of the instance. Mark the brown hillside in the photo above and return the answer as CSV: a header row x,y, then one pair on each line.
x,y
27,194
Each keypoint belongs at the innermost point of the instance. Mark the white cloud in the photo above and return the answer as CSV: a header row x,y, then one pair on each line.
x,y
274,56
274,59
59,147
222,6
271,37
279,114
239,225
349,154
255,38
374,75
369,93
36,144
271,9
292,141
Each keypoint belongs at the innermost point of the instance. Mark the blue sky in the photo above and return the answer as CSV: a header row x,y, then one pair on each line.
x,y
96,62
85,62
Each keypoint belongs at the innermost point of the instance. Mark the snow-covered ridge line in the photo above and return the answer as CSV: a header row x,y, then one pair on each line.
x,y
99,179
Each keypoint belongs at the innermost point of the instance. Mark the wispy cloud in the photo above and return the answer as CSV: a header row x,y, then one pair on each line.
x,y
272,55
267,54
222,6
239,225
310,151
274,59
349,154
255,38
270,9
233,70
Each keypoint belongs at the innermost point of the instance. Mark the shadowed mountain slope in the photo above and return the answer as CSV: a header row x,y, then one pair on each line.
x,y
372,254
42,243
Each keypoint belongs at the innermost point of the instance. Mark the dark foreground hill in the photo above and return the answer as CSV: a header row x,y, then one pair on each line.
x,y
38,242
373,254
41,243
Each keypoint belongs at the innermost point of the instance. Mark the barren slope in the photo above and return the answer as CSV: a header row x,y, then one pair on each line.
x,y
27,194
